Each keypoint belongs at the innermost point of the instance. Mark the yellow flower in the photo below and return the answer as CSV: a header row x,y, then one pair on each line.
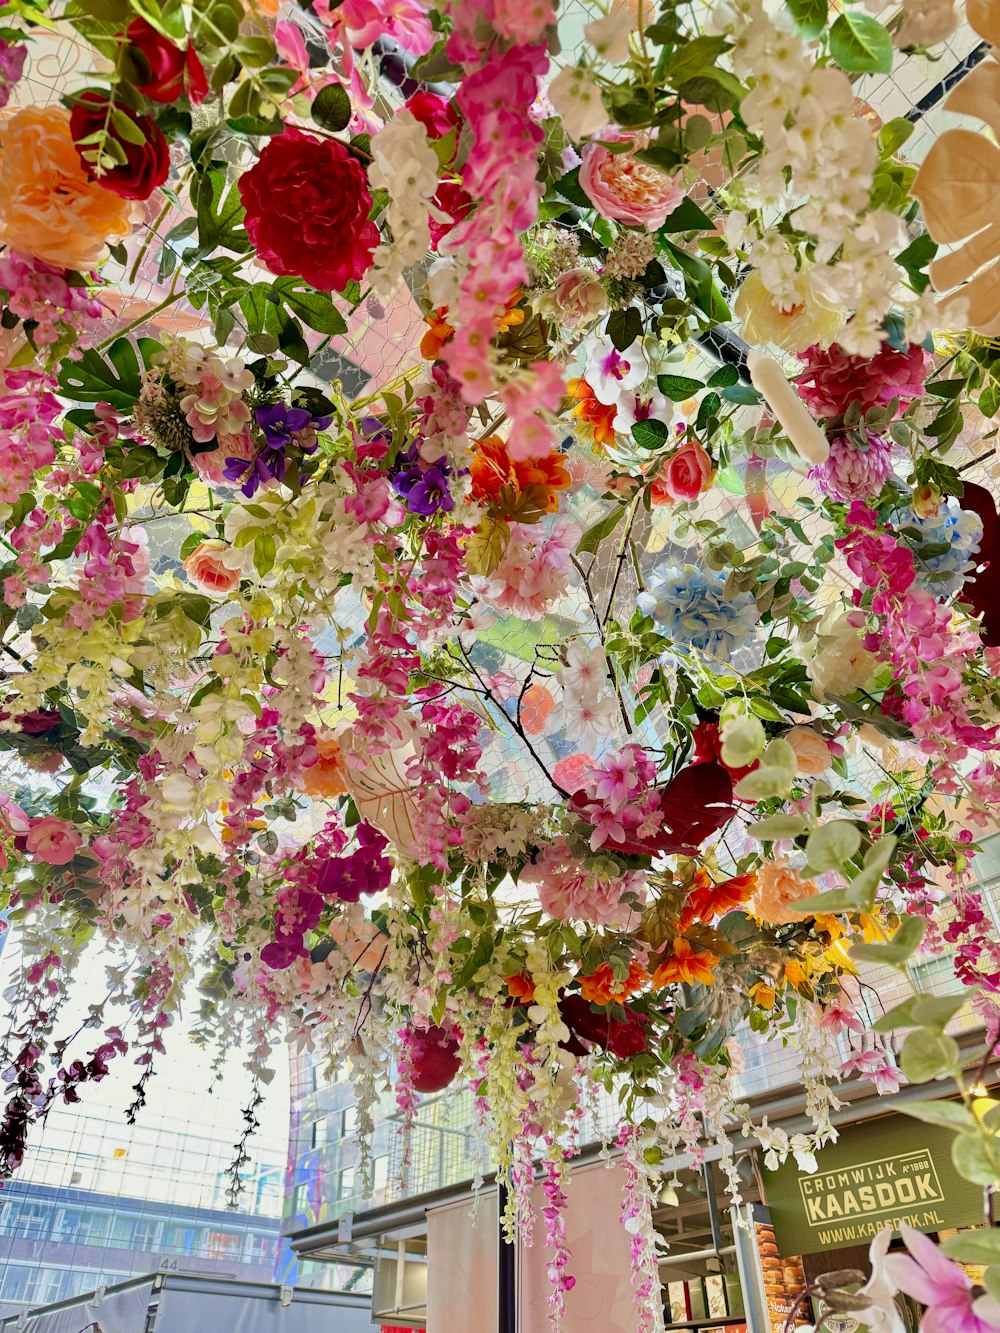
x,y
763,995
795,973
794,326
49,206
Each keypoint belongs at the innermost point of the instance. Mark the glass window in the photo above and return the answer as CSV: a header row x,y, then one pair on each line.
x,y
147,1234
92,1228
222,1245
259,1249
348,1119
31,1221
319,1132
381,1172
123,1232
14,1283
345,1187
182,1239
67,1224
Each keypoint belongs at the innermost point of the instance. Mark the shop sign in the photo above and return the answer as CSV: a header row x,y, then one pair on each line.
x,y
885,1173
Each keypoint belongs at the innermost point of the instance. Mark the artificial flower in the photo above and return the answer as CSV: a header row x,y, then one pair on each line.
x,y
686,474
855,469
624,188
576,97
168,71
796,323
50,207
812,754
686,965
324,777
492,470
206,568
116,160
779,888
307,204
597,417
53,840
602,987
832,381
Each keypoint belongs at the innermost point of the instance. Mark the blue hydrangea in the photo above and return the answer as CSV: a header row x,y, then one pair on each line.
x,y
690,609
961,531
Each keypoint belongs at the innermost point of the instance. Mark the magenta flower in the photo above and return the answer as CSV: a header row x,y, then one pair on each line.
x,y
954,1305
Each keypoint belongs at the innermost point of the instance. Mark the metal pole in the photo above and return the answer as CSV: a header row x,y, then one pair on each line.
x,y
506,1271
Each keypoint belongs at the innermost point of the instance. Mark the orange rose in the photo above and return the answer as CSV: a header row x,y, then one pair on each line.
x,y
49,206
536,704
206,567
686,966
325,777
779,888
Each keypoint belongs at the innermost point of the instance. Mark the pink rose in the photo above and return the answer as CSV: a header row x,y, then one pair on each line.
x,y
624,188
686,475
210,465
578,295
53,840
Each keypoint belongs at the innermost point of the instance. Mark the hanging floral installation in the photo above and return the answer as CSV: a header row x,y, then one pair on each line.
x,y
613,665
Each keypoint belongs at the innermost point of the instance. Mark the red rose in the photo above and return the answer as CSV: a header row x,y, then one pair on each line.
x,y
307,206
435,113
146,164
171,70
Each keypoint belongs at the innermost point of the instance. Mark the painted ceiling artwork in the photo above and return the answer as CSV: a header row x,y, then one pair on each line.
x,y
501,568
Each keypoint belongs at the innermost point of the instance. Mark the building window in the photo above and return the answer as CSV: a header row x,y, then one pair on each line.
x,y
123,1233
222,1245
31,1221
182,1239
381,1172
348,1119
259,1249
319,1132
147,1234
345,1184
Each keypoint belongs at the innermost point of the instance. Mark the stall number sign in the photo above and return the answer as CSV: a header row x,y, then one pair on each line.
x,y
886,1172
851,1205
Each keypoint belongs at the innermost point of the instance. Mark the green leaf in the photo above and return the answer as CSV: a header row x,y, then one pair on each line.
x,y
314,308
860,45
593,537
743,394
894,134
778,826
570,188
485,548
763,783
937,1011
650,434
678,387
113,378
928,1055
623,327
220,215
196,607
977,1158
899,1016
191,543
687,216
724,378
694,57
880,853
949,1115
849,899
831,845
809,15
332,108
973,1247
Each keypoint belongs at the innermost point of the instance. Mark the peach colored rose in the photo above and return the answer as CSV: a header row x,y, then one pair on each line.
x,y
210,465
687,474
53,840
779,888
624,188
325,777
206,568
576,295
49,206
812,754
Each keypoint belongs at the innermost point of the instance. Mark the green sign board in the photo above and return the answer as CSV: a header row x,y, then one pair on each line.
x,y
883,1173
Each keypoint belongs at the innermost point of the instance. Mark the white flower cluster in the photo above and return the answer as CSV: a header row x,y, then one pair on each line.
x,y
404,164
817,166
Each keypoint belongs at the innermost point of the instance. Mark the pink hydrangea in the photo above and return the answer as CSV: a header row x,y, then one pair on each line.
x,y
570,891
833,380
534,570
